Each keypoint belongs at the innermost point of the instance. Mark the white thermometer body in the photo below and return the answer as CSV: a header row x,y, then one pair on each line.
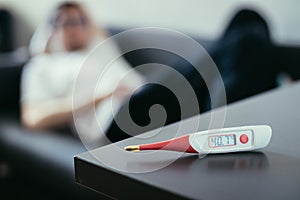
x,y
235,139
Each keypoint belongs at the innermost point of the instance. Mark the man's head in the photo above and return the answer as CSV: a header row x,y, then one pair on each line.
x,y
71,22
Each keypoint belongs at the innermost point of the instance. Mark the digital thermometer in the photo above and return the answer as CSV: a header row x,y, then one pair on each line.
x,y
245,138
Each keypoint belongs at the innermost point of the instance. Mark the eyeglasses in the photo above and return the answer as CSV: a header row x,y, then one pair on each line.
x,y
70,23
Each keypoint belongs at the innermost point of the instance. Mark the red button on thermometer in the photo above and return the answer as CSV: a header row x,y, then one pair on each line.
x,y
224,140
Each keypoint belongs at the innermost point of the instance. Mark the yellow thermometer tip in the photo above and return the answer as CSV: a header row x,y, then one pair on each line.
x,y
132,148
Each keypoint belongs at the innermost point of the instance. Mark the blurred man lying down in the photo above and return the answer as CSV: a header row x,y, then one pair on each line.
x,y
49,77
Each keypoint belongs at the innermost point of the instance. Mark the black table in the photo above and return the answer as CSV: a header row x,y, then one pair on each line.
x,y
271,173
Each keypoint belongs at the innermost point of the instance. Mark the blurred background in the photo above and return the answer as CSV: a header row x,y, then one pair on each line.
x,y
197,17
29,165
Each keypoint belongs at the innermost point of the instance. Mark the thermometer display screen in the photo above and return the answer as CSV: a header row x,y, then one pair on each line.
x,y
221,140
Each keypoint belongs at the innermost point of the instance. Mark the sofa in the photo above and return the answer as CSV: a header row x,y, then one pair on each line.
x,y
39,164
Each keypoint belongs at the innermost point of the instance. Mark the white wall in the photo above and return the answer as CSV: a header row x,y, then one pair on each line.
x,y
206,18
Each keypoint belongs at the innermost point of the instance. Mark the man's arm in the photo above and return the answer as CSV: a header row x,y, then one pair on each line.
x,y
55,113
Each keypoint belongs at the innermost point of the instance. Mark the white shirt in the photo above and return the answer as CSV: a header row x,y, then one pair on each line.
x,y
52,76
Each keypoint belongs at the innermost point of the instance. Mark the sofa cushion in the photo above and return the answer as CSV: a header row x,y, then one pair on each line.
x,y
42,159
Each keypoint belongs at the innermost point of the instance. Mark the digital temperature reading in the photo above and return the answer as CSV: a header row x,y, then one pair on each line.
x,y
221,140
